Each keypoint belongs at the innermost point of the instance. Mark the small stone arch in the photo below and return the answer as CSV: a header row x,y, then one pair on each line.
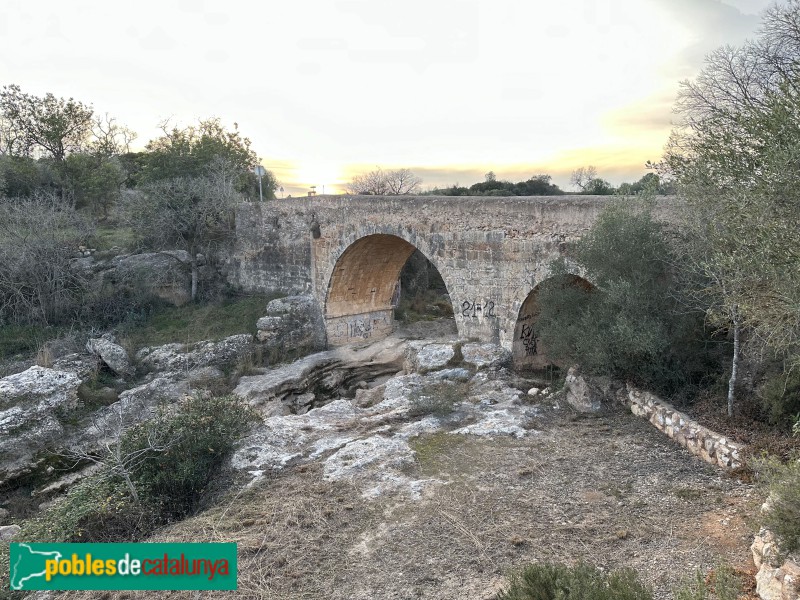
x,y
358,300
527,349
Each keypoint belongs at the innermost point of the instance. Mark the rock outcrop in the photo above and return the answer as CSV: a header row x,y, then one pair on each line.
x,y
31,403
365,440
225,353
424,356
485,356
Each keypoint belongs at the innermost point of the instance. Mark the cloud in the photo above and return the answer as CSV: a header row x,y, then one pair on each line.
x,y
712,24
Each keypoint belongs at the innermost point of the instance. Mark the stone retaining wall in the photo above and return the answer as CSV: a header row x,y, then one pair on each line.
x,y
712,447
777,579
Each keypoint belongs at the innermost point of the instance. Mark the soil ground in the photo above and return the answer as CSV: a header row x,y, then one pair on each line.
x,y
609,490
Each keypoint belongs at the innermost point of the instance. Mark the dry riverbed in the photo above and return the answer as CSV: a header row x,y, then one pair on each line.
x,y
609,490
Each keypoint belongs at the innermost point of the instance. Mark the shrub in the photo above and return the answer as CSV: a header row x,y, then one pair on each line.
x,y
722,583
780,396
581,582
630,325
783,515
203,431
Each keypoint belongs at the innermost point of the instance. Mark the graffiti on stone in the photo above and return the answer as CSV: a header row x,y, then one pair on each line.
x,y
529,339
361,326
476,310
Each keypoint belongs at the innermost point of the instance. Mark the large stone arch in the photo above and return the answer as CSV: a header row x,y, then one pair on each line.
x,y
358,297
527,349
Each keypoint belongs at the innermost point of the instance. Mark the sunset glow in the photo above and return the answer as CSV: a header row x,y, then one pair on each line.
x,y
451,89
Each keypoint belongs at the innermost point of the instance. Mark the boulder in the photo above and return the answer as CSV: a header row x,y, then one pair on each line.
x,y
421,357
485,356
584,394
164,274
8,532
30,405
112,354
292,323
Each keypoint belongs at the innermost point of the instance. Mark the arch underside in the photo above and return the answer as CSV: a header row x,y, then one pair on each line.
x,y
358,306
528,351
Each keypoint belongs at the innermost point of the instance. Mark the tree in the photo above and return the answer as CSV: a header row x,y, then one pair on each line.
x,y
39,236
734,155
395,182
54,126
110,138
193,150
401,182
93,180
195,214
582,176
116,458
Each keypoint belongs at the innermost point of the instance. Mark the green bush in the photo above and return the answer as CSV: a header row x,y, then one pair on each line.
x,y
721,584
627,324
581,582
199,436
780,396
783,515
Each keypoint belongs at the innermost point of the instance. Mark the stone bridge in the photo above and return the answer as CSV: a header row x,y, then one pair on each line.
x,y
348,252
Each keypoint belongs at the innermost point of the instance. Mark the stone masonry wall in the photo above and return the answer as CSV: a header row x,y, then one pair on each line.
x,y
490,252
712,447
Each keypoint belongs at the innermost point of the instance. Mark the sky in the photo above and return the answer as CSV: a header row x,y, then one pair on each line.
x,y
326,89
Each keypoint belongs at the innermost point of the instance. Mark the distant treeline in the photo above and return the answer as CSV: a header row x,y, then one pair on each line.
x,y
541,185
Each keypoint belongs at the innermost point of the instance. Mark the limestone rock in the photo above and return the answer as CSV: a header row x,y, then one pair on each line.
x,y
112,354
30,403
583,393
182,358
133,407
83,365
776,579
292,323
423,356
369,397
497,422
3,513
375,463
485,356
8,532
279,382
454,374
330,372
163,273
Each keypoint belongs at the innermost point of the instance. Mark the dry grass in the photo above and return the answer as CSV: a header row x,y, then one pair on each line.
x,y
601,490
